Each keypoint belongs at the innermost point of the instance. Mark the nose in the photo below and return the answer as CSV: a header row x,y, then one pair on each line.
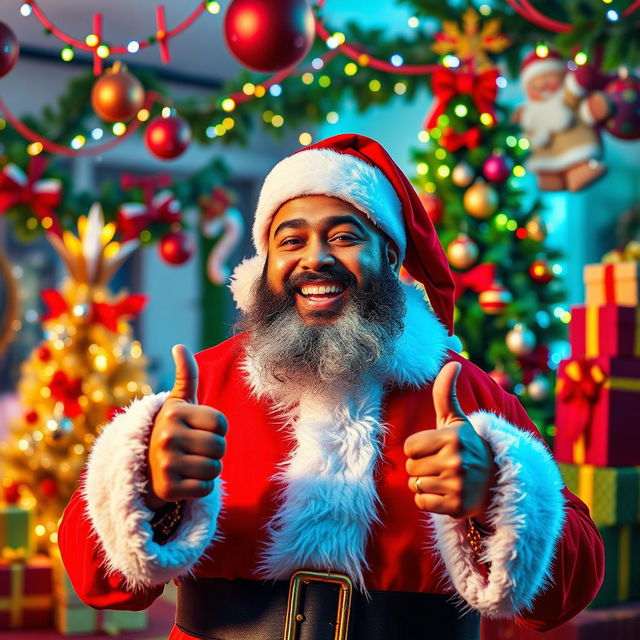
x,y
316,255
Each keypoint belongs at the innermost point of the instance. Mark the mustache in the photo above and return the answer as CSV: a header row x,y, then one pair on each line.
x,y
335,274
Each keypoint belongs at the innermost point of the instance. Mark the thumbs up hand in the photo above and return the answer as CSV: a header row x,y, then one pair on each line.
x,y
187,441
451,467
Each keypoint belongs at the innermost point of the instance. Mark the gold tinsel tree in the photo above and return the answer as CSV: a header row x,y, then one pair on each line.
x,y
87,366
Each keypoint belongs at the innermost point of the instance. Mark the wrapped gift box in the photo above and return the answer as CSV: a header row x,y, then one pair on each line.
x,y
622,565
615,283
26,598
611,493
621,622
607,330
17,532
597,409
77,619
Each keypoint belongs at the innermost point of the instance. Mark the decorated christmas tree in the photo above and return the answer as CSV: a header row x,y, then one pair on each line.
x,y
87,366
470,168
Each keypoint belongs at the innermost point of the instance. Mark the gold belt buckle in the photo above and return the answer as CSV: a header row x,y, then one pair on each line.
x,y
293,617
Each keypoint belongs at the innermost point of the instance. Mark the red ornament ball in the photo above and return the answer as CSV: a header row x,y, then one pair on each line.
x,y
9,49
502,378
44,353
495,299
433,206
12,493
540,271
624,94
176,247
269,35
167,138
31,416
497,168
117,95
462,252
49,488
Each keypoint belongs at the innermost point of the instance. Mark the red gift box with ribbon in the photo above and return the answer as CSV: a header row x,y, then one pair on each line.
x,y
597,411
26,593
606,330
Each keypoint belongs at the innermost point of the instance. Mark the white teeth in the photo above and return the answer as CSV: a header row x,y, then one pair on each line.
x,y
319,290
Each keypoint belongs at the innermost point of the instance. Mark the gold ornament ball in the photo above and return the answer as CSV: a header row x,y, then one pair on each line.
x,y
462,174
117,95
538,388
520,340
495,299
536,229
462,252
481,200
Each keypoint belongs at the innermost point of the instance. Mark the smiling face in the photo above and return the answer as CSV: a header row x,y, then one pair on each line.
x,y
320,248
544,85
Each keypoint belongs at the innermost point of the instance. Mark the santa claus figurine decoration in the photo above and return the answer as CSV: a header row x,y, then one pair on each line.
x,y
559,119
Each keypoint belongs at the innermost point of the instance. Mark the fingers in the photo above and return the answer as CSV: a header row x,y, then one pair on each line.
x,y
201,443
192,467
185,386
445,399
425,443
428,484
189,489
199,417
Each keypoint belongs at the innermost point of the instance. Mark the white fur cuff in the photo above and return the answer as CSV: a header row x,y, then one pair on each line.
x,y
527,512
114,490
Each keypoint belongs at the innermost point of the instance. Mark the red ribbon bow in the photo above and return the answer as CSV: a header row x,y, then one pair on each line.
x,y
477,279
447,83
579,385
67,390
134,217
453,140
102,313
42,196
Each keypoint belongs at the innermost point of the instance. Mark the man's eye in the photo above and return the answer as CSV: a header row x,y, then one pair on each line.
x,y
290,241
345,237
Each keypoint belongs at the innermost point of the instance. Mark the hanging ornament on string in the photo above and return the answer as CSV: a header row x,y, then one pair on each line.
x,y
541,272
462,252
536,229
269,35
501,377
9,49
463,174
624,94
480,199
497,167
117,95
167,138
538,389
176,247
495,299
434,206
521,341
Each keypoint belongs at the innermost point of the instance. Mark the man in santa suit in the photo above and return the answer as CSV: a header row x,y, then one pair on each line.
x,y
558,119
356,445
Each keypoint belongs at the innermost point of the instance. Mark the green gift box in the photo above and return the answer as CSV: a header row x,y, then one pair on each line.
x,y
611,493
72,620
17,532
622,565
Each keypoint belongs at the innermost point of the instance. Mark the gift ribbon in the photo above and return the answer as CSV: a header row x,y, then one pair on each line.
x,y
609,283
17,601
134,217
42,196
447,83
14,554
586,474
67,391
453,140
477,279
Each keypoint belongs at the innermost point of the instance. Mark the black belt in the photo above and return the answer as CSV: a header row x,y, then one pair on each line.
x,y
217,609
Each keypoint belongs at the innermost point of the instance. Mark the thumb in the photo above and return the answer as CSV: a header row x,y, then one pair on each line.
x,y
445,399
186,383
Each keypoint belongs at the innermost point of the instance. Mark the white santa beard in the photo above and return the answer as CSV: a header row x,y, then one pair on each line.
x,y
542,118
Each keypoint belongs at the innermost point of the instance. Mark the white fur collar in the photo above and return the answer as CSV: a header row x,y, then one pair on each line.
x,y
328,494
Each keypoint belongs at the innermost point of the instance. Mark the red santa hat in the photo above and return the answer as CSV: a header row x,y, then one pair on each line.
x,y
541,60
359,171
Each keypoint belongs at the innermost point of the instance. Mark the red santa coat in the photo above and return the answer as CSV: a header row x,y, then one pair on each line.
x,y
109,567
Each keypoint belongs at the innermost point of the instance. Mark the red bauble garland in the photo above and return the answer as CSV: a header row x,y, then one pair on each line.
x,y
167,138
176,247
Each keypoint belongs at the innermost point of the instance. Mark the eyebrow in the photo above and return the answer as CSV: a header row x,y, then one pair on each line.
x,y
333,221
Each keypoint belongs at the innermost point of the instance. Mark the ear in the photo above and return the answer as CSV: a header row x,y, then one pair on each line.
x,y
393,256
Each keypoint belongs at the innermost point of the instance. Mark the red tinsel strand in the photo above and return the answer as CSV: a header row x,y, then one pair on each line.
x,y
538,18
115,50
97,30
632,8
54,147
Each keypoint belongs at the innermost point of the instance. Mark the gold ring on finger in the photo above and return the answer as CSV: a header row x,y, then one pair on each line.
x,y
418,488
